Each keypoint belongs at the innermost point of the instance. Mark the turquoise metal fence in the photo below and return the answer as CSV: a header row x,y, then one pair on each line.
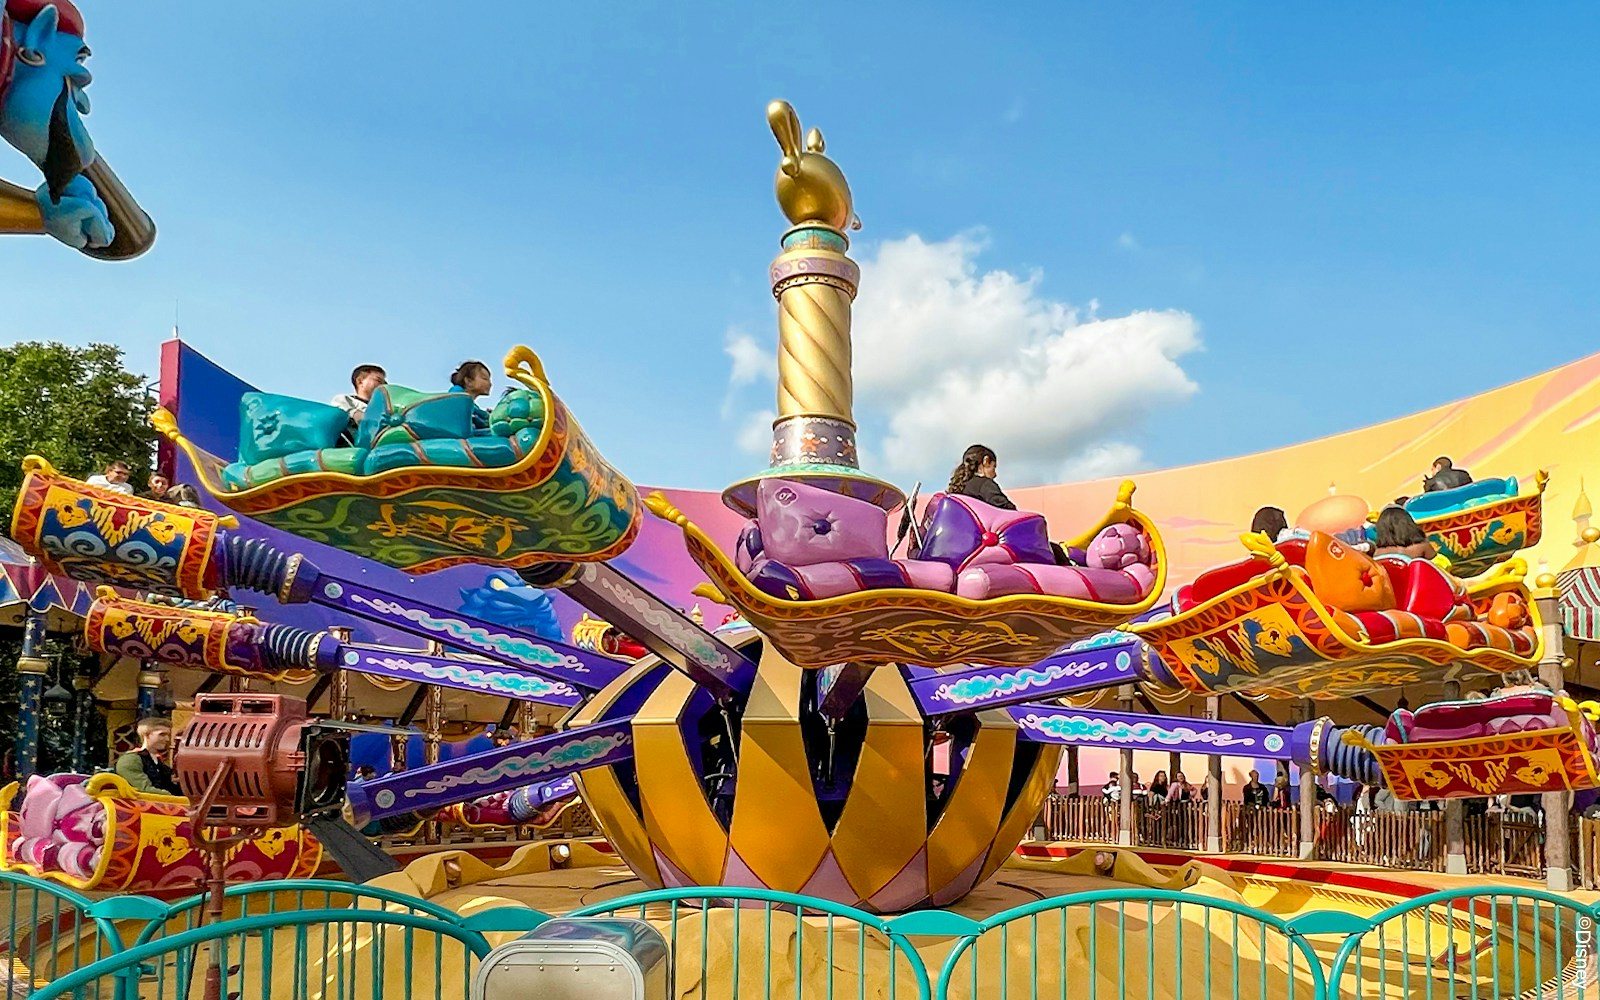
x,y
1499,942
805,947
315,939
1118,943
49,931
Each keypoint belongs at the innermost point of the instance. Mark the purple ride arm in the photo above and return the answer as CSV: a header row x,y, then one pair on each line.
x,y
1135,731
474,676
293,579
658,626
1055,676
252,647
504,768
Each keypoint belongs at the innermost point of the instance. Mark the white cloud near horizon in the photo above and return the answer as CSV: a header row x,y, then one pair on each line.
x,y
947,353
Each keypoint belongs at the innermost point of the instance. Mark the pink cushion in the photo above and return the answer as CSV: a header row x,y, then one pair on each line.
x,y
963,532
1112,586
1119,546
78,860
38,816
803,525
74,802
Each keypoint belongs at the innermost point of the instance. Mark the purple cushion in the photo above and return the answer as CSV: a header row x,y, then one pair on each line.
x,y
748,547
1111,586
804,525
833,579
963,532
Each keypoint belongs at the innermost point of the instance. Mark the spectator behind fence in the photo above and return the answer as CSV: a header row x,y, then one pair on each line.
x,y
1255,793
1159,786
114,478
143,768
1281,797
366,380
1180,790
1112,789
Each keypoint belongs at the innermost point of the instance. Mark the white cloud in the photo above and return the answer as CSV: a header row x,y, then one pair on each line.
x,y
1127,242
950,354
946,353
751,361
755,434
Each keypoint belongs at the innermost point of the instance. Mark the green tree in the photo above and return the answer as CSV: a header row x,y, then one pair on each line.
x,y
76,406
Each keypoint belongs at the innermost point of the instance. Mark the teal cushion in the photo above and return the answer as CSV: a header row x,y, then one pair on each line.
x,y
272,426
397,415
240,476
518,409
470,453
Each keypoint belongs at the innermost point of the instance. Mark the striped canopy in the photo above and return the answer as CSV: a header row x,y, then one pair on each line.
x,y
1580,602
26,586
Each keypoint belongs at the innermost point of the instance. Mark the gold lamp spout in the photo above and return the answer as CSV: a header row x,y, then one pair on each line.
x,y
135,231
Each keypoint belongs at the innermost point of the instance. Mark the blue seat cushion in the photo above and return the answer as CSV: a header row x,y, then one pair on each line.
x,y
1474,494
397,415
272,426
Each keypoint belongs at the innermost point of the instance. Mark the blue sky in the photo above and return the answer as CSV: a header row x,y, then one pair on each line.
x,y
1295,222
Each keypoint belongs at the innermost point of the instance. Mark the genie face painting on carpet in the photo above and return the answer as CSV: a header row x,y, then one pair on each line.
x,y
505,600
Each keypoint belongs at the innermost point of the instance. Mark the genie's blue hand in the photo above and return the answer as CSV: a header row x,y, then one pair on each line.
x,y
80,218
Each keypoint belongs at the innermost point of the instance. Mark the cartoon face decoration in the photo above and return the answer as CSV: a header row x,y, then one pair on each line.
x,y
1347,579
273,842
1273,639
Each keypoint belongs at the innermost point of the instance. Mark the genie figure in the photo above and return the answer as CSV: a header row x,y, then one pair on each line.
x,y
505,600
43,99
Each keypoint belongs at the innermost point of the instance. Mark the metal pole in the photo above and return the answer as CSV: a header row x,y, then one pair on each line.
x,y
82,712
151,677
1213,786
1308,800
1455,812
31,670
1557,805
1072,772
432,737
1125,799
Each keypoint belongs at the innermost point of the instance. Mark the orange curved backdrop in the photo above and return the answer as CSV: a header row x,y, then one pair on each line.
x,y
1550,421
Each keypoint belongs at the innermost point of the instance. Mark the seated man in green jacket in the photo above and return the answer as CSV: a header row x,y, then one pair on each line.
x,y
143,768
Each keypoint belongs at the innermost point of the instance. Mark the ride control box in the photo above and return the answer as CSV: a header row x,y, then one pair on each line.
x,y
607,958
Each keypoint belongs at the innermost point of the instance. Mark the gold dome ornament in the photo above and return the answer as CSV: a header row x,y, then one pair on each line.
x,y
811,188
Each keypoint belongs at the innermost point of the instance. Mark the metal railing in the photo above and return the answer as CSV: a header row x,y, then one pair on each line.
x,y
1471,943
49,931
803,947
766,945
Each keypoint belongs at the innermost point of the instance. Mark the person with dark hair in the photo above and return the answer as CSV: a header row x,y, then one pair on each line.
x,y
1269,521
472,378
1445,476
184,495
365,380
1399,534
974,477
